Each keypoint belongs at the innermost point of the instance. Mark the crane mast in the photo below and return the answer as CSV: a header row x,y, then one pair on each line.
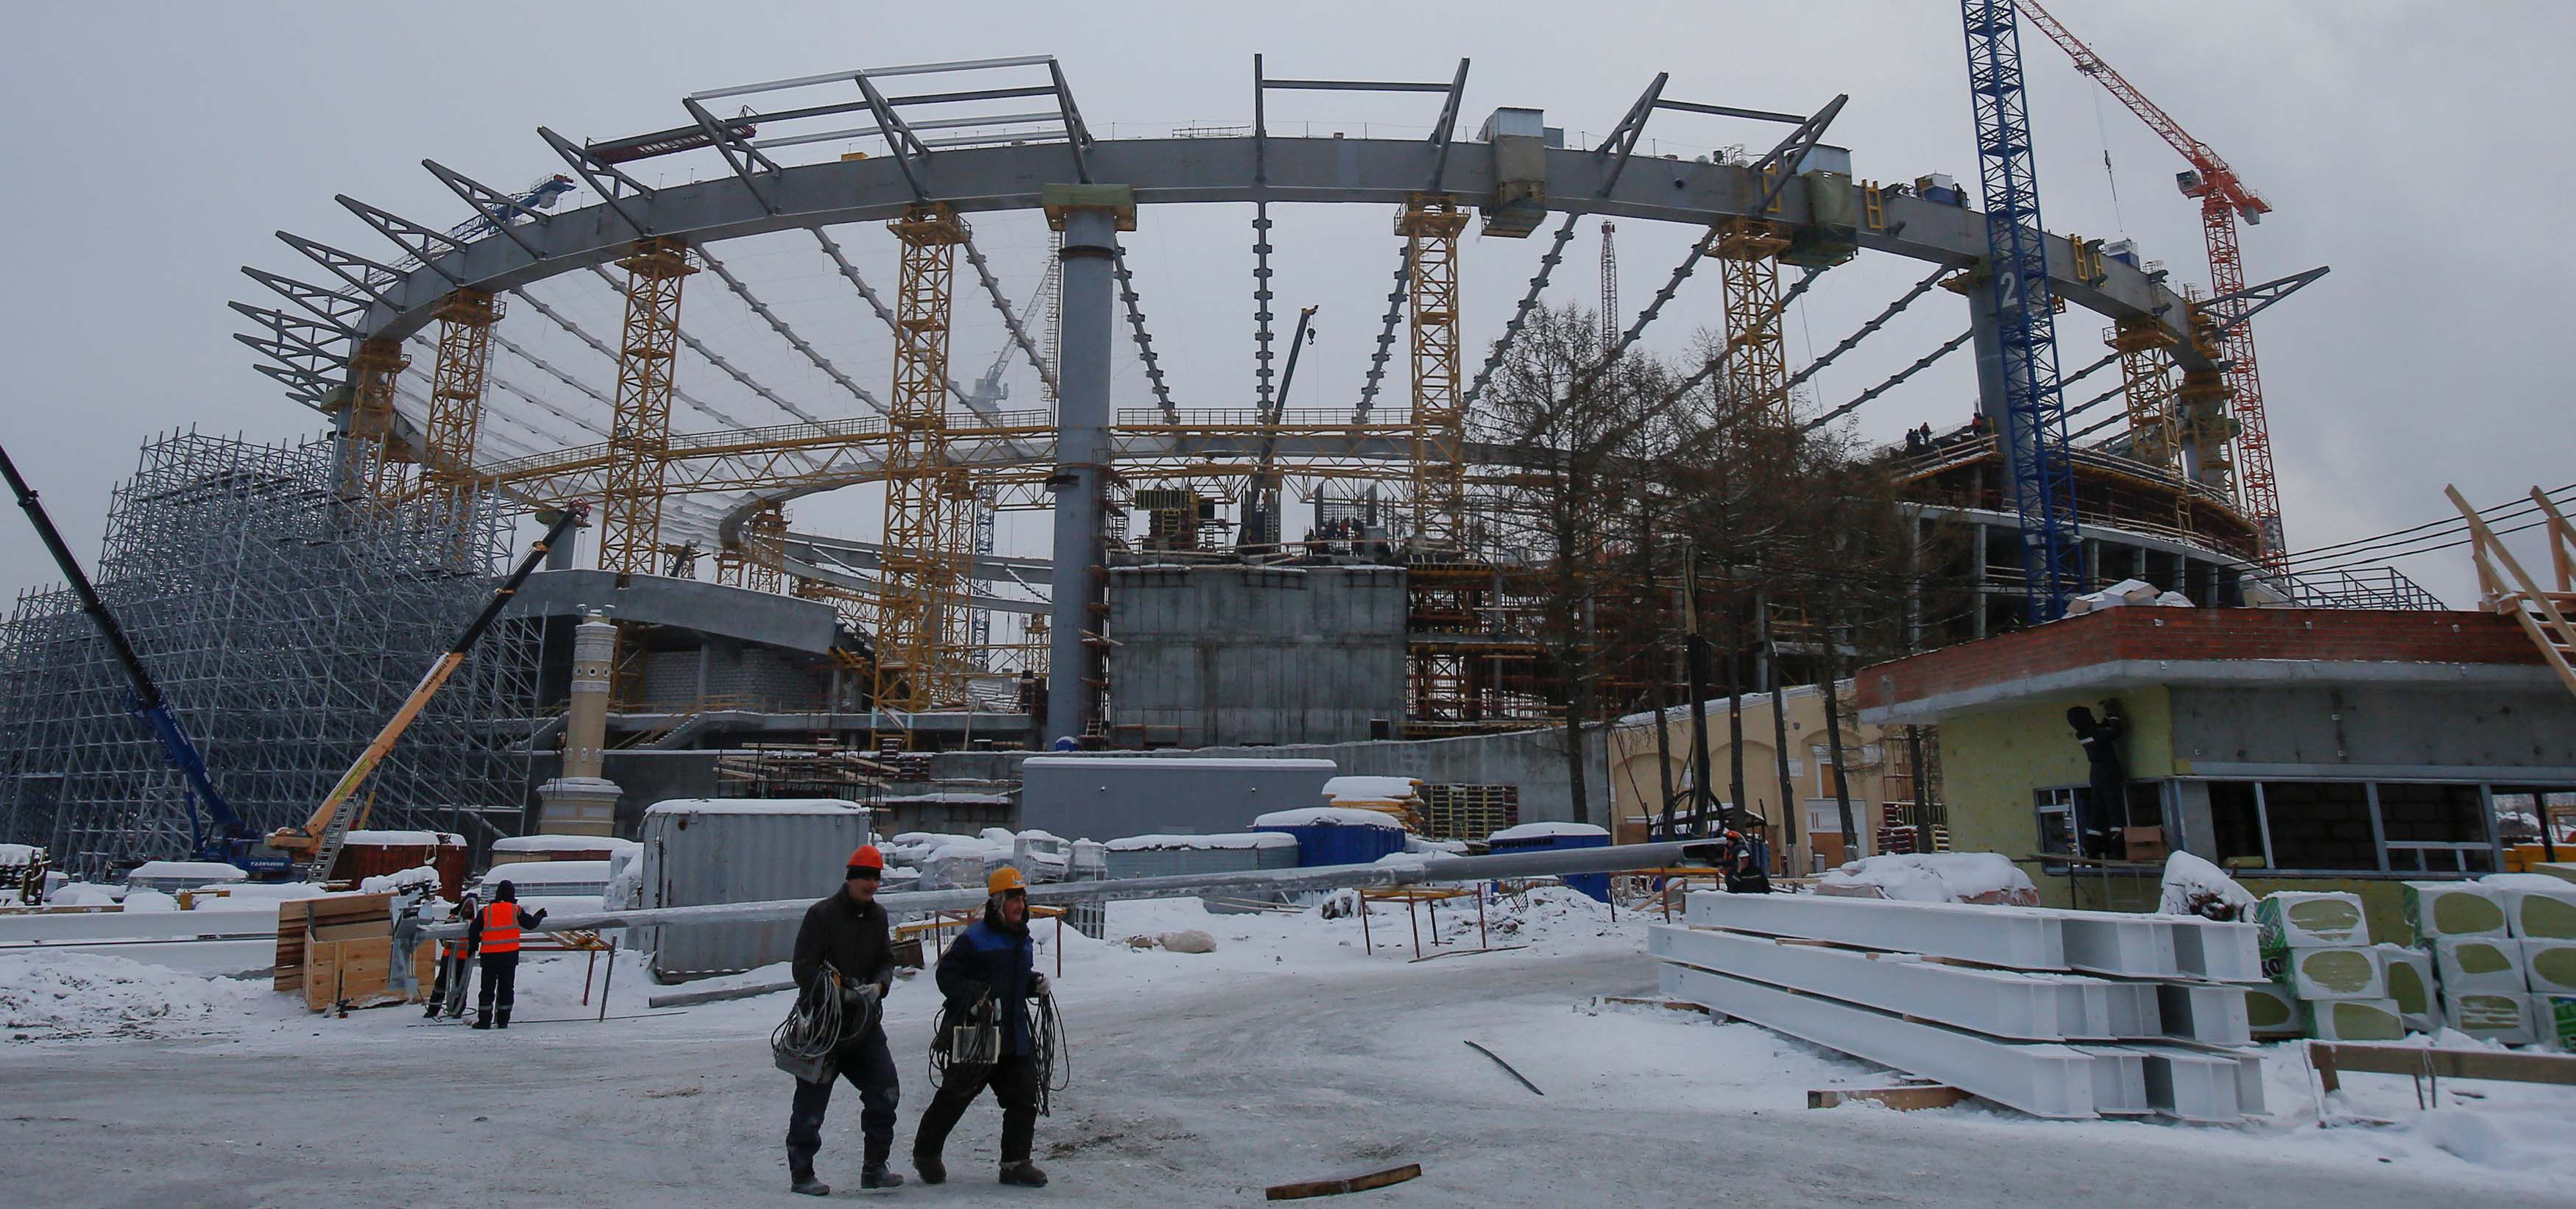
x,y
2224,201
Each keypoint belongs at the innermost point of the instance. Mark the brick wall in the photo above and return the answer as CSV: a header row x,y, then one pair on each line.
x,y
2333,635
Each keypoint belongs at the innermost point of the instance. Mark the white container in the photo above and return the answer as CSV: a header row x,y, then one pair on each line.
x,y
2479,965
2503,1016
2549,966
2334,972
726,850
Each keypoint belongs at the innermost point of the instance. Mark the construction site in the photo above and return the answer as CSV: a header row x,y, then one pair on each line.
x,y
794,471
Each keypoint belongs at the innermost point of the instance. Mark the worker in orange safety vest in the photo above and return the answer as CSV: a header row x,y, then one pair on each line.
x,y
494,934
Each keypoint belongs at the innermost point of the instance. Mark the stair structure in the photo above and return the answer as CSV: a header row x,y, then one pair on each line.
x,y
2503,584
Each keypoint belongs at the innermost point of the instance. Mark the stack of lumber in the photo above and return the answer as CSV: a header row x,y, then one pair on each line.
x,y
340,948
2069,1014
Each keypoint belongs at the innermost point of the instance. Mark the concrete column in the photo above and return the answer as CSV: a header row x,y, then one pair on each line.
x,y
581,802
1090,217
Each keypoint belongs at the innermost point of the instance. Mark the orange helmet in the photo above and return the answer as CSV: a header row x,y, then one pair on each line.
x,y
1005,879
867,857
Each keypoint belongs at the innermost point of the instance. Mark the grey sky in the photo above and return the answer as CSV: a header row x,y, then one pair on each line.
x,y
155,147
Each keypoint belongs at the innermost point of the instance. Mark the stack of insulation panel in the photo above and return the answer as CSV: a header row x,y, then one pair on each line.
x,y
2502,950
2068,1014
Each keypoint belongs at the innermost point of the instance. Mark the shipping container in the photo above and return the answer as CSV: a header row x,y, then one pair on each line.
x,y
1172,855
1329,835
366,854
723,850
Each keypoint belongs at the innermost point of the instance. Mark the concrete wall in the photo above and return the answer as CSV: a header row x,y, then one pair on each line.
x,y
2363,726
1241,655
730,673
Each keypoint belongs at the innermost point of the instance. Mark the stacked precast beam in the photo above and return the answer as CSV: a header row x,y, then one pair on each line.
x,y
2070,1014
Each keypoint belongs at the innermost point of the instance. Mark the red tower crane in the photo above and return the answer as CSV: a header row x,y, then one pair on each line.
x,y
2223,200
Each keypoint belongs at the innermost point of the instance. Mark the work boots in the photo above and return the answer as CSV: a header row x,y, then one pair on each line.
x,y
932,1170
873,1172
1024,1174
800,1174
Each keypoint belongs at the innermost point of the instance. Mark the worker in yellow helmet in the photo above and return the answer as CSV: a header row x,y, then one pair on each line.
x,y
990,973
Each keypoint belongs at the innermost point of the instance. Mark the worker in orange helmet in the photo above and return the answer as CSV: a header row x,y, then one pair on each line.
x,y
990,973
844,947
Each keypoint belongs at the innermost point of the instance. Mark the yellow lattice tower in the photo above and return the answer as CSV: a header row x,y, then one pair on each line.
x,y
369,459
630,517
1430,224
920,564
2147,384
1757,360
465,319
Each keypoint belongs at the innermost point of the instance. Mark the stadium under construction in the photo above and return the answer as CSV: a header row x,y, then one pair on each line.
x,y
1193,573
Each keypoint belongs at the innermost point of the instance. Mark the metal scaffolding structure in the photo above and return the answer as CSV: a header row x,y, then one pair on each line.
x,y
287,620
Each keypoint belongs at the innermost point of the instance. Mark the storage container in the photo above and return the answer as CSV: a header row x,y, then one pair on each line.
x,y
728,850
1540,837
1328,835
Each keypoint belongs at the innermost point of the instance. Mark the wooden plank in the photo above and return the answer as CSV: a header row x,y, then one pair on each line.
x,y
1678,1005
1335,1187
1903,1099
2330,1056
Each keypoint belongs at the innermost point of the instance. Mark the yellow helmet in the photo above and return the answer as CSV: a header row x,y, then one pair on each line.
x,y
1004,878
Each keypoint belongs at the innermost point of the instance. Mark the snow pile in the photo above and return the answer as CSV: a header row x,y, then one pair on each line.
x,y
2195,887
1327,816
1934,877
58,995
418,878
139,900
84,894
565,843
18,854
1544,914
182,875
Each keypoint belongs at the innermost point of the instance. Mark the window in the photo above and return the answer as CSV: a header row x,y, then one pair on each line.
x,y
2434,829
2056,808
2320,825
2236,820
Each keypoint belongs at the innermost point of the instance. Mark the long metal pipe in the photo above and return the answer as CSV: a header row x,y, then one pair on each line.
x,y
1617,858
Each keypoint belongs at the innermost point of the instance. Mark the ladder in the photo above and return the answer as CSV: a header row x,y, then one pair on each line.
x,y
2503,584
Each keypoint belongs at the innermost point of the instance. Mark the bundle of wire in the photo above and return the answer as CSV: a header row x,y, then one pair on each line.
x,y
818,1023
1046,1033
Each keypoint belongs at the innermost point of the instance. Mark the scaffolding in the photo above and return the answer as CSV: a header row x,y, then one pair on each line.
x,y
920,623
286,621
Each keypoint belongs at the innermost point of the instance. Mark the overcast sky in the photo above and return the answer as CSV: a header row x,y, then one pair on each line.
x,y
154,148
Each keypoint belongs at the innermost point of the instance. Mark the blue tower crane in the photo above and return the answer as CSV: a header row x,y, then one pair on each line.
x,y
2033,424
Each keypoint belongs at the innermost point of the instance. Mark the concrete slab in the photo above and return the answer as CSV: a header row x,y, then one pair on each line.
x,y
2045,1080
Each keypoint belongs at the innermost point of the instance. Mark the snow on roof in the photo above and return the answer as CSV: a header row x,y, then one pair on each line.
x,y
402,839
1533,831
1327,816
1371,789
755,806
17,854
176,871
565,843
1243,839
526,873
1200,762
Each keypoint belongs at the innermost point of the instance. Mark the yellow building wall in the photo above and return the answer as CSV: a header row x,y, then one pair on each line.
x,y
1992,762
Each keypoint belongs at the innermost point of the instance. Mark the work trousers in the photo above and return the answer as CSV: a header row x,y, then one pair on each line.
x,y
869,1066
1014,1081
501,982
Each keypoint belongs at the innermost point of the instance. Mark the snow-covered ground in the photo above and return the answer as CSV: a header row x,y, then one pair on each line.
x,y
1288,1053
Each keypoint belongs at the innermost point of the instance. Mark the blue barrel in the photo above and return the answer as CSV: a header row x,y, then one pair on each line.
x,y
1544,837
1336,836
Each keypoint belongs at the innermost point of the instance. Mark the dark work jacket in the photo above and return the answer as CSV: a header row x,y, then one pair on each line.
x,y
1748,881
989,958
854,939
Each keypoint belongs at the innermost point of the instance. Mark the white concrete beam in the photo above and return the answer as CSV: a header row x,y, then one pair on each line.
x,y
1999,936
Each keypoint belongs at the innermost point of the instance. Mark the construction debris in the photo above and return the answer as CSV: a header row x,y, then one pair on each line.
x,y
1358,1183
1508,1068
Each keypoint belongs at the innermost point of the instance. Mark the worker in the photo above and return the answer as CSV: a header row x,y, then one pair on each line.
x,y
494,934
455,973
992,959
1745,875
2105,805
844,945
